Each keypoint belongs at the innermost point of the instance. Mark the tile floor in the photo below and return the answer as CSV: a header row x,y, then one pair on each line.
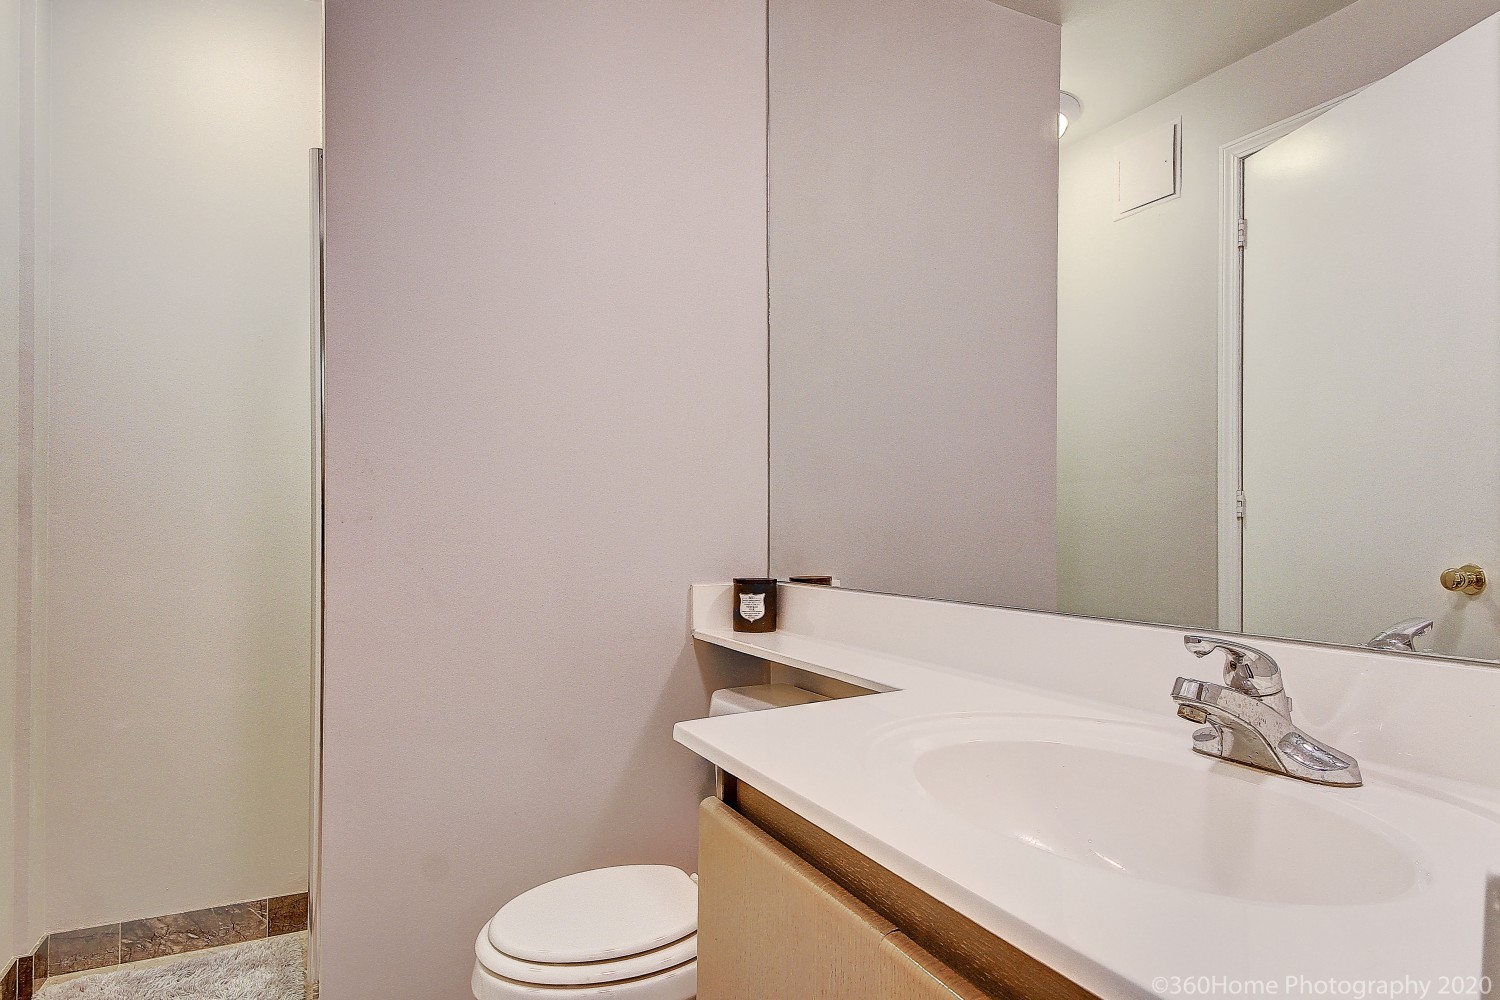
x,y
264,969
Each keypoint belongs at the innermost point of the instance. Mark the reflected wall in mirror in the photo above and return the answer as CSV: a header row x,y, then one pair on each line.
x,y
1011,370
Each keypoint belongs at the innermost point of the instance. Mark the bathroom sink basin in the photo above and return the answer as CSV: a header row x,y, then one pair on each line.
x,y
1136,801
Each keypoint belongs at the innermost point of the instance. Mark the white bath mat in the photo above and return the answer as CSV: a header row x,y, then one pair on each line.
x,y
257,970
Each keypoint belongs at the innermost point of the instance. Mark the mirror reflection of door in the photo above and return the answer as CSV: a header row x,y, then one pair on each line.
x,y
1371,360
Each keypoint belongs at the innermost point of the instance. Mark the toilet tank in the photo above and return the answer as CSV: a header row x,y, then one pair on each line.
x,y
758,697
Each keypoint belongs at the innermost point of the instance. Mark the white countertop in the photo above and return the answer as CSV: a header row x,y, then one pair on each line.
x,y
1114,933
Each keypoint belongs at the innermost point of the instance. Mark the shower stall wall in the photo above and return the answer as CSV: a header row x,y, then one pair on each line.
x,y
158,556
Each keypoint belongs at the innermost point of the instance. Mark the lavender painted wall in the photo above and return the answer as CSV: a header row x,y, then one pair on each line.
x,y
546,364
914,297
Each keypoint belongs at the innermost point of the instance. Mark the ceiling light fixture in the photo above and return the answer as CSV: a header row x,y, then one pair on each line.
x,y
1068,111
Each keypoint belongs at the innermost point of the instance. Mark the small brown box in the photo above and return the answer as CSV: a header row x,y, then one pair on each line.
x,y
754,604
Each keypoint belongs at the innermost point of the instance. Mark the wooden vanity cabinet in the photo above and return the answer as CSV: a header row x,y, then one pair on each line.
x,y
770,925
784,915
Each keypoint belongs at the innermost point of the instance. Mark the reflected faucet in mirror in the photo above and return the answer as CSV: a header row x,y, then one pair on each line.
x,y
1402,635
1248,718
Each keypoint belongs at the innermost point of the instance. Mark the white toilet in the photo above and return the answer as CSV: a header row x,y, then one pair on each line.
x,y
628,933
625,933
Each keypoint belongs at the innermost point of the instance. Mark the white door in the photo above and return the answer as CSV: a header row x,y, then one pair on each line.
x,y
1371,440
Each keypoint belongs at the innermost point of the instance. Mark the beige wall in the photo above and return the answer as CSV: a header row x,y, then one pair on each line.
x,y
913,274
1138,317
11,750
176,501
546,357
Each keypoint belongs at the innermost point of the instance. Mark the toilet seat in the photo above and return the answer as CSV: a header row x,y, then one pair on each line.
x,y
680,983
626,933
583,973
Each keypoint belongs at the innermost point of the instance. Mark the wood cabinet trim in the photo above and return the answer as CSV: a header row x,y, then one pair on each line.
x,y
935,967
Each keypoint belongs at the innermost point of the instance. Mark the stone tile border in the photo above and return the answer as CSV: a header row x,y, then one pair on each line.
x,y
109,945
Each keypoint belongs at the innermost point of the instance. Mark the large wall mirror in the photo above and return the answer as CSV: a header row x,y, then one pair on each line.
x,y
1226,355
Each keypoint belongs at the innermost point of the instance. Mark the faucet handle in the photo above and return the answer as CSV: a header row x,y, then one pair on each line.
x,y
1402,635
1246,669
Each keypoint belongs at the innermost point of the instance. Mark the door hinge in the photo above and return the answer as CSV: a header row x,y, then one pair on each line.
x,y
1240,233
1239,505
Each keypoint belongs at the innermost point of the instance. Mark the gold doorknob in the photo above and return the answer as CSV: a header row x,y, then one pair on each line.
x,y
1464,580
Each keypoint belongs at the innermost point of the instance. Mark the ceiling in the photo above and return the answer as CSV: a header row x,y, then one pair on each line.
x,y
1120,56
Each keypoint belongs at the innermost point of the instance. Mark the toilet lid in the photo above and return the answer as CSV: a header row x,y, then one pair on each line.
x,y
598,915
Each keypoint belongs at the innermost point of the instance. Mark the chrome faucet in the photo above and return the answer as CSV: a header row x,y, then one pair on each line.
x,y
1248,718
1402,635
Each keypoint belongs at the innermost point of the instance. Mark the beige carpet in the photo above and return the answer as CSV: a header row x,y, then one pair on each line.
x,y
257,970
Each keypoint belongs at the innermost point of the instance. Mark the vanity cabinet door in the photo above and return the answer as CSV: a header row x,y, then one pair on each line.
x,y
772,926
